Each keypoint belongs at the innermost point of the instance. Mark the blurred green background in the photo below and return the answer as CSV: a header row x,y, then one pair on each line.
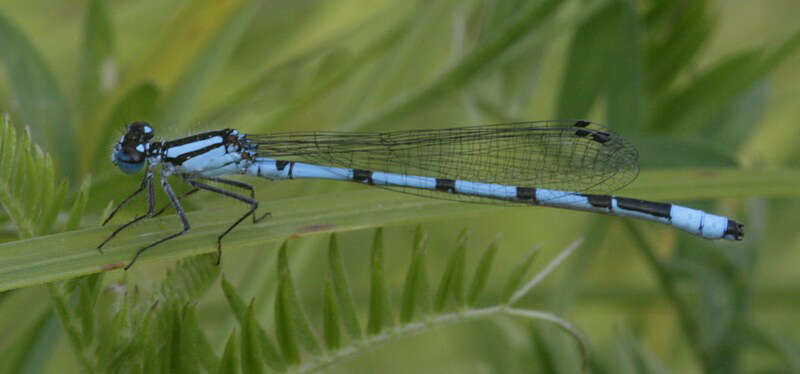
x,y
706,90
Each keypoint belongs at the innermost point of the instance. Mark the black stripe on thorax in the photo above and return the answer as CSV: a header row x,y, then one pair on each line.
x,y
648,207
201,136
364,176
185,156
526,194
446,185
166,146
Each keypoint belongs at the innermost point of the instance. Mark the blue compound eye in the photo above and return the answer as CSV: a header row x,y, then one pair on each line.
x,y
130,153
128,160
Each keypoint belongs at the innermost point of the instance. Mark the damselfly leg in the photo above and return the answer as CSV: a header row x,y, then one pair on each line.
x,y
181,214
147,182
186,194
247,200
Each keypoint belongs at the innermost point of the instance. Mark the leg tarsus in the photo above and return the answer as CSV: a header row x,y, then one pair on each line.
x,y
164,208
181,215
241,185
146,182
252,202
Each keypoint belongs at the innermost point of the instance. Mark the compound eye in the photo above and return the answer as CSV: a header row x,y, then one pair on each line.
x,y
129,160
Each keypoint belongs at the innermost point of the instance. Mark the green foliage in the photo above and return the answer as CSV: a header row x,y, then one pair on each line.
x,y
660,72
291,326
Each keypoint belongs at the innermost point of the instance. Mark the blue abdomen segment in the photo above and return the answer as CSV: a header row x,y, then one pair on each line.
x,y
694,221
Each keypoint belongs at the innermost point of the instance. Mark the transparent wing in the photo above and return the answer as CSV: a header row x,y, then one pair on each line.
x,y
572,156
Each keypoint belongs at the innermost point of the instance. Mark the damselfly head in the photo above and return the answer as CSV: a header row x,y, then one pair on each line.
x,y
130,153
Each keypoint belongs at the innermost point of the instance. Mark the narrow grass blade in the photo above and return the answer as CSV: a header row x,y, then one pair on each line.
x,y
298,324
522,291
271,356
187,355
583,342
234,300
96,71
453,277
342,288
194,342
32,351
414,292
42,105
230,358
462,73
584,79
330,318
189,279
79,206
481,274
186,94
380,314
251,358
518,273
89,289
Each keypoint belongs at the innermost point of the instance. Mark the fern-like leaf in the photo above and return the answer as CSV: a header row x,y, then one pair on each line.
x,y
342,288
415,290
292,328
189,279
230,362
251,359
270,353
481,274
29,193
380,314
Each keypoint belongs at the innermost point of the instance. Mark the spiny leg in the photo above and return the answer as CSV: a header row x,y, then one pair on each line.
x,y
181,214
253,206
147,180
241,185
164,208
151,202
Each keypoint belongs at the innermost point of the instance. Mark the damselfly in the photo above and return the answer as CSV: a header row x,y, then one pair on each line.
x,y
550,163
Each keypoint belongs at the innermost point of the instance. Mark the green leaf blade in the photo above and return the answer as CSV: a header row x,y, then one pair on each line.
x,y
230,358
330,313
481,274
42,104
415,288
518,274
251,360
379,310
96,65
342,288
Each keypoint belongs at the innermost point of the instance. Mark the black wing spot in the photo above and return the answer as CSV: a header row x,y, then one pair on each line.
x,y
601,137
582,123
582,133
